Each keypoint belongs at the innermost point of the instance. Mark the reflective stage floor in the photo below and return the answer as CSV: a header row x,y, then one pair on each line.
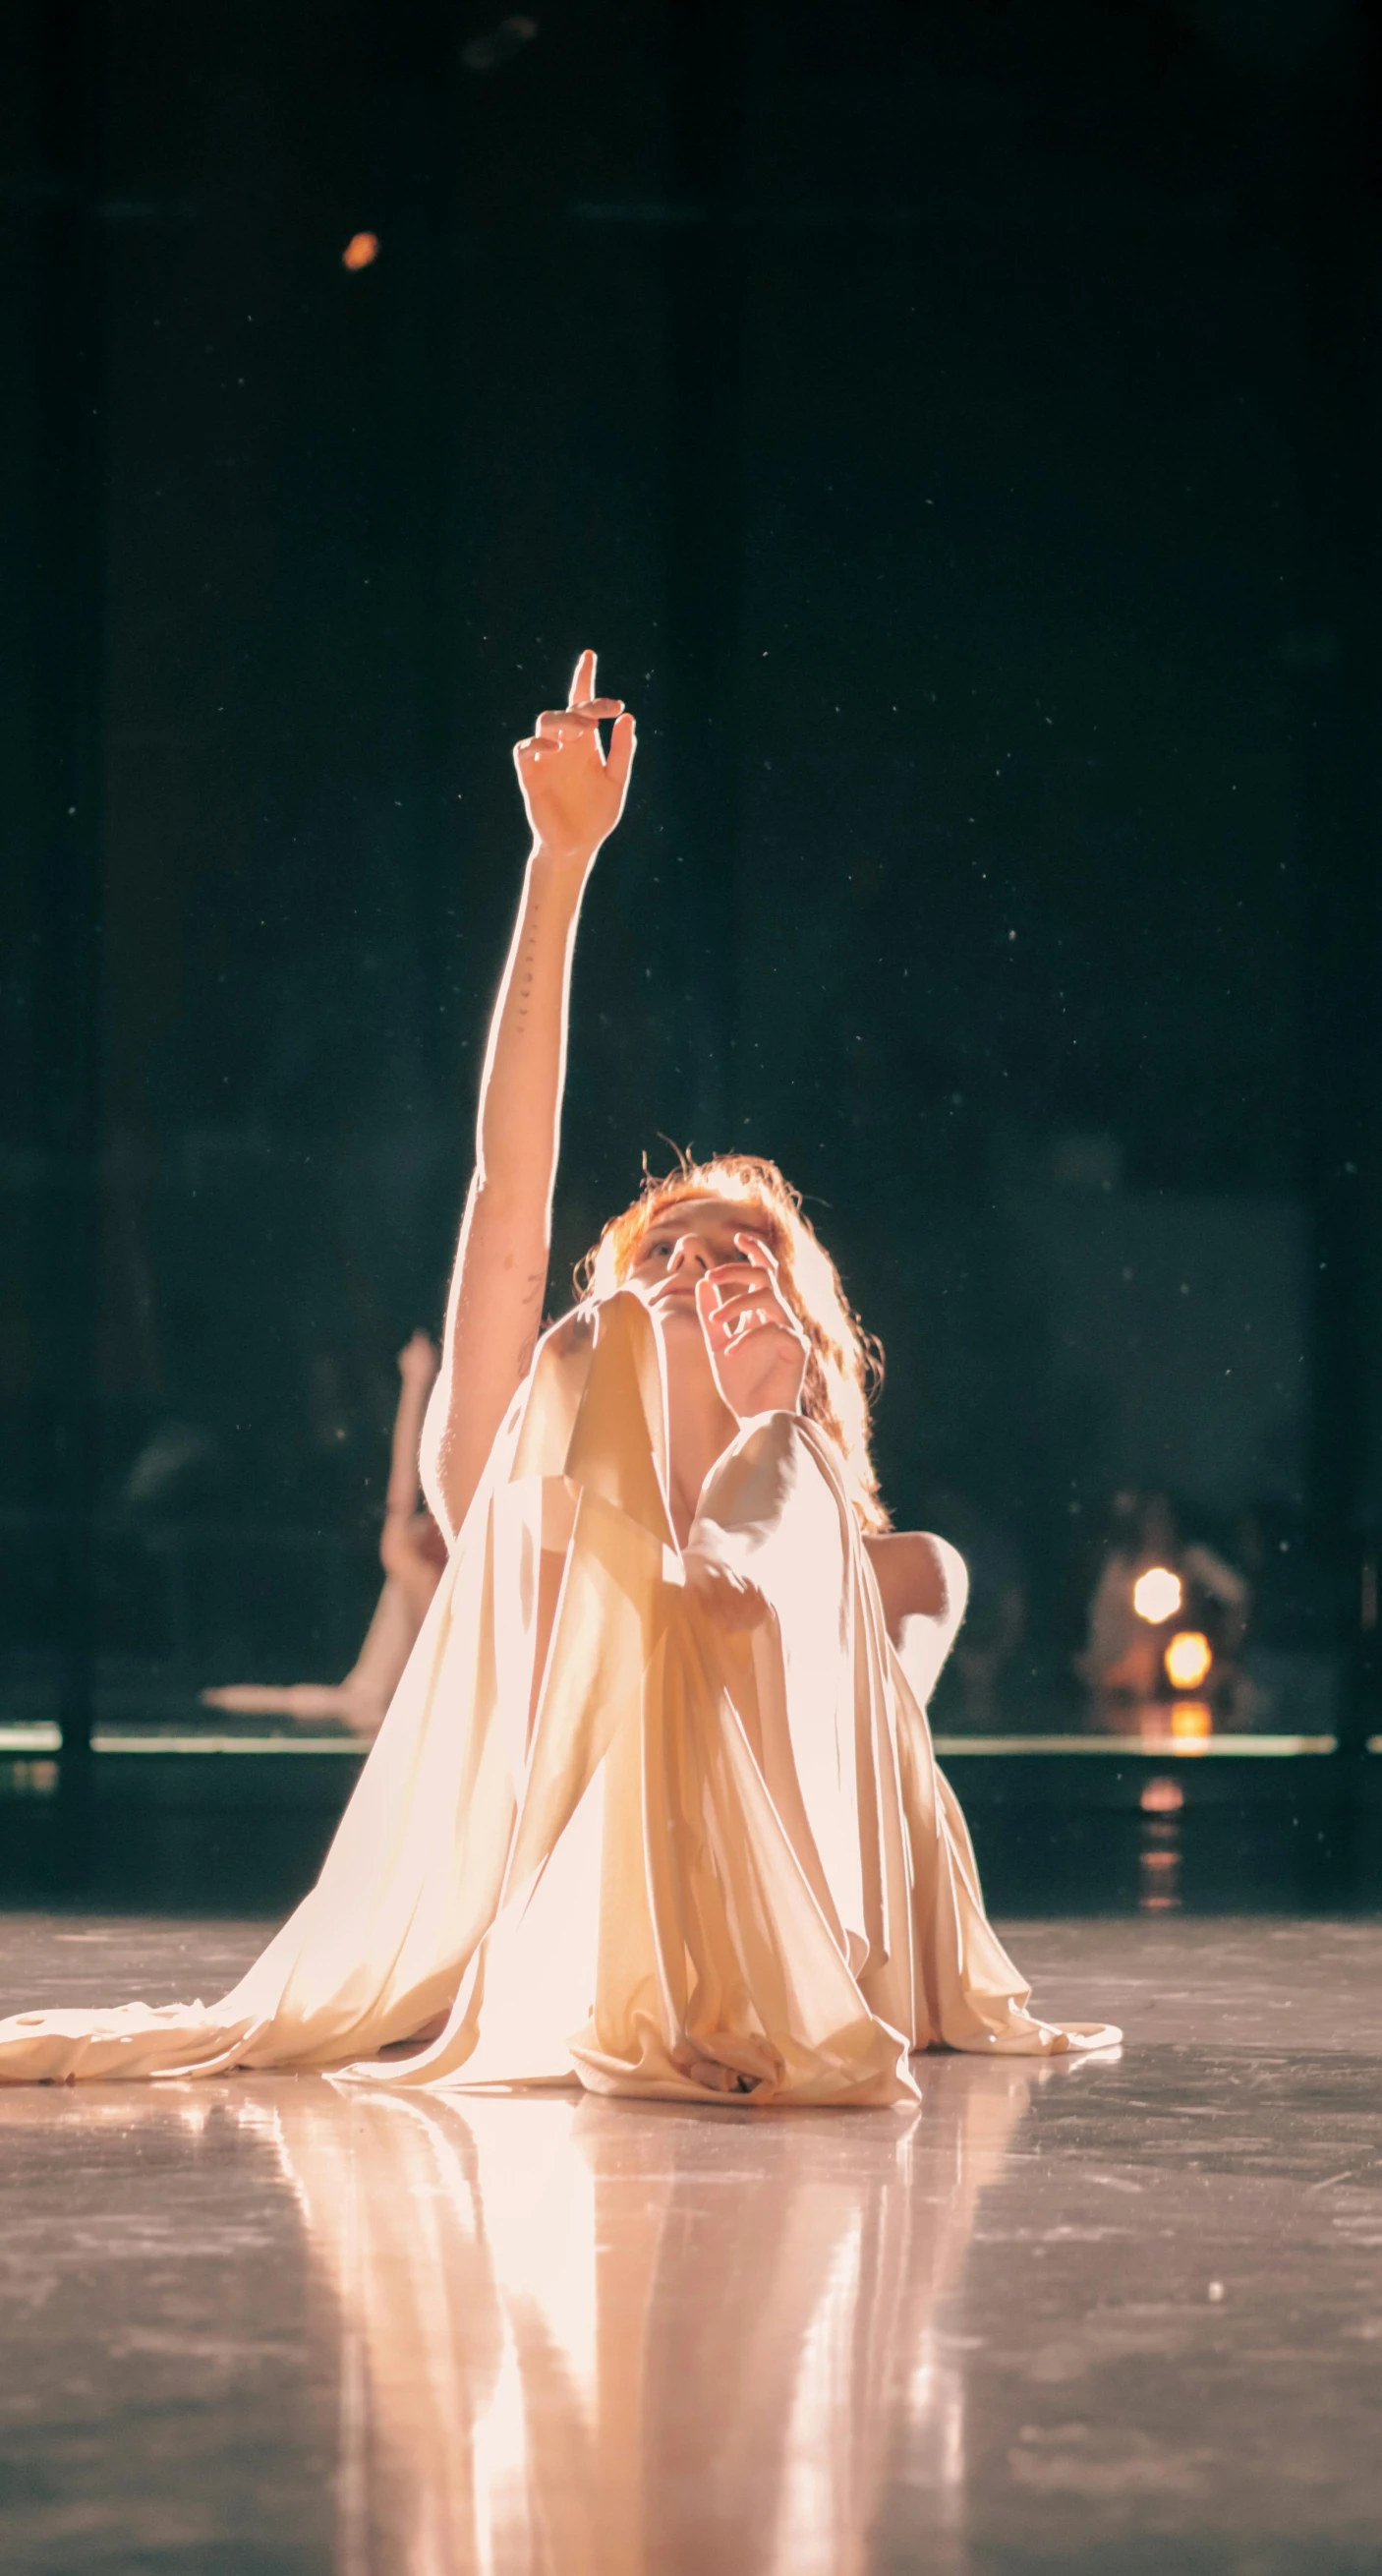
x,y
1120,2315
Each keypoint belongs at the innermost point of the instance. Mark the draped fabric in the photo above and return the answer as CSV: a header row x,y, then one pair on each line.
x,y
606,1832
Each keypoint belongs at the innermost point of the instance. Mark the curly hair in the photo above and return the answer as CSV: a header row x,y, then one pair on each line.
x,y
844,1365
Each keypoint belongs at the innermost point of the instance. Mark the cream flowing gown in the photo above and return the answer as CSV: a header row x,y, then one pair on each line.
x,y
601,1836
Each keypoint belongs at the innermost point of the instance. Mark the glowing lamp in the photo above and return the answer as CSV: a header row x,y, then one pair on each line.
x,y
361,251
1187,1659
1156,1595
1191,1720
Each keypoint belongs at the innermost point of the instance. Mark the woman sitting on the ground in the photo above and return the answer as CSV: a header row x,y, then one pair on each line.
x,y
654,1805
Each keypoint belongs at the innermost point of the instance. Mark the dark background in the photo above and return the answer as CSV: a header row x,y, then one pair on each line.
x,y
958,429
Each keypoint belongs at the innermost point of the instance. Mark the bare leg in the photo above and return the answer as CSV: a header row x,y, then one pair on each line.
x,y
308,1702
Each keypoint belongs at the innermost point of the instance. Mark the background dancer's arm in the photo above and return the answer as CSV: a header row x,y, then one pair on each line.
x,y
411,1548
573,797
417,1369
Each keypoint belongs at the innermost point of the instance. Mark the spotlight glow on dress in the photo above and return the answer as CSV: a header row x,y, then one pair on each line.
x,y
1157,1595
1188,1658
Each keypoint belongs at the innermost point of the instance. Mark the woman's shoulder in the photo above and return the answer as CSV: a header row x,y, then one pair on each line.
x,y
920,1576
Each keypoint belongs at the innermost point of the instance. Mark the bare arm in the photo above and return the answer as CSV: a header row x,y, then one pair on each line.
x,y
417,1367
573,798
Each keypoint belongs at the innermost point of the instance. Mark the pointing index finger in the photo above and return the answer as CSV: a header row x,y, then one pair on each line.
x,y
582,679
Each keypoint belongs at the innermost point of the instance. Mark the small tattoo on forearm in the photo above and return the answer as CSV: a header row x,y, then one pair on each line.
x,y
523,981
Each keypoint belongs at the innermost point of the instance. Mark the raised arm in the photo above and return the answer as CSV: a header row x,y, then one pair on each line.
x,y
573,798
417,1369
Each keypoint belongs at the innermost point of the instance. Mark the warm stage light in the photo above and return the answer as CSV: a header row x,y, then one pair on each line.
x,y
1191,1719
1188,1658
1156,1595
1162,1798
361,251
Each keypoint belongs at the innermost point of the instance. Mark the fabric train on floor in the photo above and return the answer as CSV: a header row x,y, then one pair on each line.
x,y
604,1833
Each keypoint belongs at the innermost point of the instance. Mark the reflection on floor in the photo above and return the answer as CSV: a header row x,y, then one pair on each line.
x,y
1123,2315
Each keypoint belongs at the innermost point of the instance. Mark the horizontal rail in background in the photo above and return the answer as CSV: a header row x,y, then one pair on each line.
x,y
43,1737
1180,1747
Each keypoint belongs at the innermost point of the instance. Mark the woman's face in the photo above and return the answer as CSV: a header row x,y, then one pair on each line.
x,y
693,1237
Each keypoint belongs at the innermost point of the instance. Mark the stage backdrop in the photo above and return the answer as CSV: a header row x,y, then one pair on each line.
x,y
954,428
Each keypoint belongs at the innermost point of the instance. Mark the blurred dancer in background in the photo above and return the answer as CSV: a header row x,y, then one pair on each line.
x,y
412,1552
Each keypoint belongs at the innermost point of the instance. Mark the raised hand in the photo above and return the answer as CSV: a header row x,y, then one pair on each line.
x,y
574,796
758,1351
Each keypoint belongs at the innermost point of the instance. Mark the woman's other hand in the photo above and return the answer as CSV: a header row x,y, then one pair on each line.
x,y
573,795
758,1351
726,1597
